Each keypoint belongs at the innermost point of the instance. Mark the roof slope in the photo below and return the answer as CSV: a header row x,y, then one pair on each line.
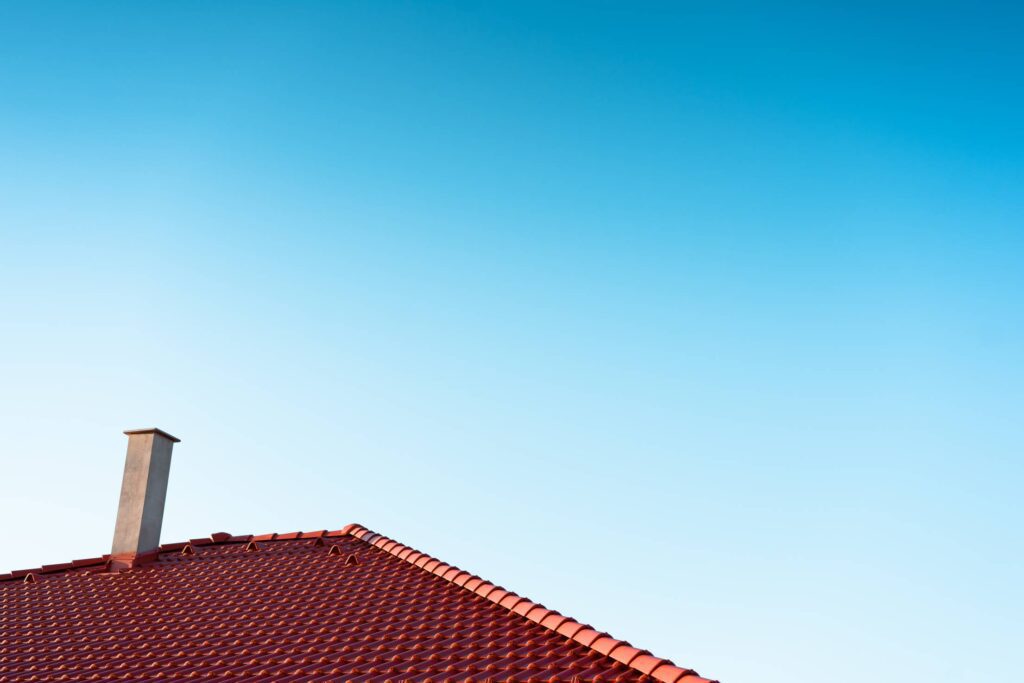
x,y
346,605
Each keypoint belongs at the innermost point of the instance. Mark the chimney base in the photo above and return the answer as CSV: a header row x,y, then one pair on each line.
x,y
122,561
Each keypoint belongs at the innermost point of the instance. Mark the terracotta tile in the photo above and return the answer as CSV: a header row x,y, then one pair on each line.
x,y
375,610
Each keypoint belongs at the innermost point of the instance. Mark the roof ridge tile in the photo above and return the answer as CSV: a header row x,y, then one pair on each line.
x,y
662,670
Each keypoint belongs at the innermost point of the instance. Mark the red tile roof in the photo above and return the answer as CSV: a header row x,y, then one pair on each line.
x,y
346,605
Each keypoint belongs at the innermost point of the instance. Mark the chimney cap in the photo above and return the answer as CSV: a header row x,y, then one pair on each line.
x,y
152,430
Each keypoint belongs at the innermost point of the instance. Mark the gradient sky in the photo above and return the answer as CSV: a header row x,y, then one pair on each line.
x,y
702,325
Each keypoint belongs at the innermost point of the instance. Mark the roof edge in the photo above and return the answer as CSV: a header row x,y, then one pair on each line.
x,y
659,669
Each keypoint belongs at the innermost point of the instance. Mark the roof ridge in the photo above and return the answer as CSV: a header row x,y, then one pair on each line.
x,y
660,669
96,564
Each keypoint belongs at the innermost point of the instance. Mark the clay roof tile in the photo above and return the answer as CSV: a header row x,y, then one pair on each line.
x,y
387,612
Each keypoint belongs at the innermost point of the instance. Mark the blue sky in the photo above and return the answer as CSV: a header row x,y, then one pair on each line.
x,y
702,325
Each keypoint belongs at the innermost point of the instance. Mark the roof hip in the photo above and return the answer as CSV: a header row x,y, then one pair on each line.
x,y
662,670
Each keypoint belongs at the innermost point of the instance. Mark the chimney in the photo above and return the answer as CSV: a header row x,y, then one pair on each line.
x,y
140,513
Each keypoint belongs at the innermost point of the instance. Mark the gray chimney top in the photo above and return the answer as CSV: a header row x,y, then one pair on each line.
x,y
153,430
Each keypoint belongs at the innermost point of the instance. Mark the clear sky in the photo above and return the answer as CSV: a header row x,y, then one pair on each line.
x,y
702,325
